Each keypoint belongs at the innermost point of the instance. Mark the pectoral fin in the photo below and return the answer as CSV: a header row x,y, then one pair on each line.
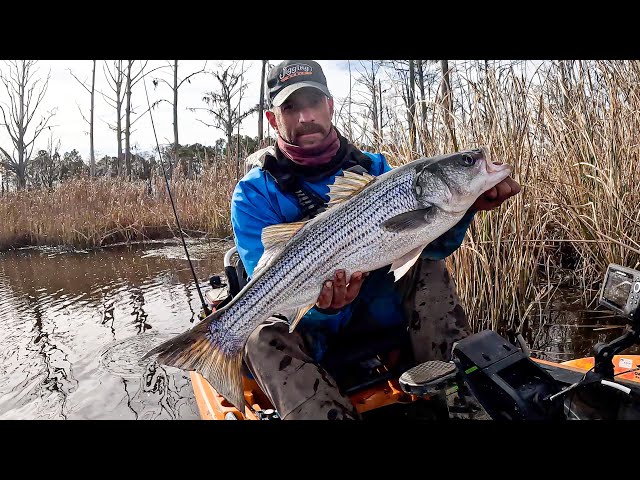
x,y
412,220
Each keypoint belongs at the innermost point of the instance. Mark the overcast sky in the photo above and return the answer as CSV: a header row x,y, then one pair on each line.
x,y
65,94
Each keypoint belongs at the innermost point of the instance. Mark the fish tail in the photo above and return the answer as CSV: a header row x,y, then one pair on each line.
x,y
198,349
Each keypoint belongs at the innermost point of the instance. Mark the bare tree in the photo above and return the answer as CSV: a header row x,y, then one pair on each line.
x,y
412,105
25,94
175,86
127,122
92,162
369,100
448,102
45,167
220,105
402,73
420,66
115,79
261,106
131,80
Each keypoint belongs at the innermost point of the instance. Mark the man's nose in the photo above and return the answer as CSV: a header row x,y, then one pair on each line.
x,y
306,115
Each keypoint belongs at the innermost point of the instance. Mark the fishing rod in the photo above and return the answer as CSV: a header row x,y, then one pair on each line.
x,y
205,307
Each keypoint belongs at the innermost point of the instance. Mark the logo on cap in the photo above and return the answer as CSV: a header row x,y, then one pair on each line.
x,y
295,70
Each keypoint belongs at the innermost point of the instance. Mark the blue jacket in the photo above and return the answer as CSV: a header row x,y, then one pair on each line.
x,y
257,203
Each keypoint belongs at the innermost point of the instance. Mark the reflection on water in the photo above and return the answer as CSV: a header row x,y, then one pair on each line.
x,y
72,323
564,330
73,326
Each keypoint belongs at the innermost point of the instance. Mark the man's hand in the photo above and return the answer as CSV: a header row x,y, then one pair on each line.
x,y
494,197
338,293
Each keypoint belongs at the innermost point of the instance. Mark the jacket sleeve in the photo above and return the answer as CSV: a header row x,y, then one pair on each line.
x,y
251,212
450,241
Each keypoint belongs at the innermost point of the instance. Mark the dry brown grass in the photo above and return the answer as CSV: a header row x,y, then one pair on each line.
x,y
84,213
573,142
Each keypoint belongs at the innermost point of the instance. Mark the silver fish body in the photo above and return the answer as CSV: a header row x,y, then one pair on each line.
x,y
388,221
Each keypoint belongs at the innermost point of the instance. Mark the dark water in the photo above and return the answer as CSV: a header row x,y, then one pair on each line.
x,y
565,330
73,327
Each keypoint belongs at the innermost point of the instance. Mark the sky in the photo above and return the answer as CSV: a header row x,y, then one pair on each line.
x,y
68,97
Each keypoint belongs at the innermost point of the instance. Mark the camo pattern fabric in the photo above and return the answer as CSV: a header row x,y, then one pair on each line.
x,y
437,321
300,389
463,405
436,317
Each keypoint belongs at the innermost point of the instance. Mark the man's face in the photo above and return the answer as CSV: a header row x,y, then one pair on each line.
x,y
304,119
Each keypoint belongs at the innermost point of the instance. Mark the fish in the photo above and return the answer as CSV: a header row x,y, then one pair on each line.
x,y
370,222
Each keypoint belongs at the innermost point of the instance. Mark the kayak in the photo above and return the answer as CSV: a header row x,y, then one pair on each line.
x,y
212,406
528,385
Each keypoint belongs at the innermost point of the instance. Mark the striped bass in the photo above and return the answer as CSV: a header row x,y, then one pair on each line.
x,y
372,222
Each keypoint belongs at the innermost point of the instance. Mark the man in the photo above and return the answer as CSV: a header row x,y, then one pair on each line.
x,y
290,184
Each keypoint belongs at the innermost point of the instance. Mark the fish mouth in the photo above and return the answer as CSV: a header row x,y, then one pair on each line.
x,y
491,167
496,171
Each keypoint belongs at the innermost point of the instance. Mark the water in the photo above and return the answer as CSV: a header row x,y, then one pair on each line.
x,y
73,326
565,330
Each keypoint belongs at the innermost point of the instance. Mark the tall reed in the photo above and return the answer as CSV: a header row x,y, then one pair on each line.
x,y
571,132
89,213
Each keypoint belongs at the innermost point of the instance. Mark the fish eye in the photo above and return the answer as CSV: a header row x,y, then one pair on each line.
x,y
418,190
467,160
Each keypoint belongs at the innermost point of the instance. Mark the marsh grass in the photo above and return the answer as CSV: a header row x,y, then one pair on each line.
x,y
83,213
571,135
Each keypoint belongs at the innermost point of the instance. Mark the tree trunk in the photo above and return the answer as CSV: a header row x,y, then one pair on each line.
x,y
92,164
127,128
176,145
380,108
448,102
374,105
229,129
261,107
20,173
350,86
119,134
412,106
423,103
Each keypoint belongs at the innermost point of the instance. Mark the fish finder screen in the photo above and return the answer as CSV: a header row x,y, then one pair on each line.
x,y
618,288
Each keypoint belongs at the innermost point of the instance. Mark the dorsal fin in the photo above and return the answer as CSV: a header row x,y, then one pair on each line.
x,y
274,238
347,185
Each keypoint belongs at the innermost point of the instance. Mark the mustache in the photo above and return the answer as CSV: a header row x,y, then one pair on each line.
x,y
309,128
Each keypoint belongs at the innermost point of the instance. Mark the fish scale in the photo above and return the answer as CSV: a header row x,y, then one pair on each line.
x,y
353,222
324,239
371,222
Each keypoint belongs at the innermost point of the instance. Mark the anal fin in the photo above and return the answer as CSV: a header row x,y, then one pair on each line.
x,y
402,265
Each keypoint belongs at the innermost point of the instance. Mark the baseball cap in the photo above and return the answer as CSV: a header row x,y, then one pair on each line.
x,y
291,75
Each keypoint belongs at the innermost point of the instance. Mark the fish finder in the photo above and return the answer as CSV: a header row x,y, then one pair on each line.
x,y
621,290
